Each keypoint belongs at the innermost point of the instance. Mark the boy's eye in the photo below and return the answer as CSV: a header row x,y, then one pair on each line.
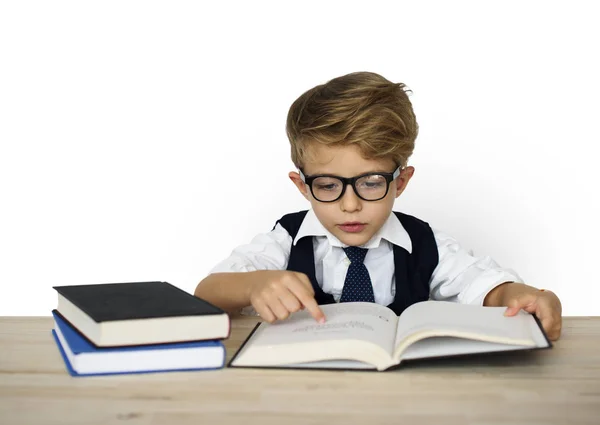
x,y
330,186
372,182
327,184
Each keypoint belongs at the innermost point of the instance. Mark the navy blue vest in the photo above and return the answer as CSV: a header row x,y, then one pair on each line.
x,y
412,271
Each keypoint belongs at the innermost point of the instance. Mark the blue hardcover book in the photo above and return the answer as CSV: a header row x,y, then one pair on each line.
x,y
82,358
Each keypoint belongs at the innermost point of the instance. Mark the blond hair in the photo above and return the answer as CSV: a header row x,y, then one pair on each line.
x,y
361,108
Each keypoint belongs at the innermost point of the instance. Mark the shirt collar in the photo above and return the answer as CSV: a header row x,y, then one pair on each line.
x,y
392,231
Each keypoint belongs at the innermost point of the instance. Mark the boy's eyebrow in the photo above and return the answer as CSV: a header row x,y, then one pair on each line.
x,y
378,170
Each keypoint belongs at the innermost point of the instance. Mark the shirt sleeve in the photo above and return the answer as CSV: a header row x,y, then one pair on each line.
x,y
463,277
266,251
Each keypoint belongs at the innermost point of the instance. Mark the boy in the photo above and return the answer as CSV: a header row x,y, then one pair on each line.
x,y
350,140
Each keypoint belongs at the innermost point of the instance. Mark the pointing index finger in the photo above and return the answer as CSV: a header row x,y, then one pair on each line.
x,y
303,290
308,301
314,309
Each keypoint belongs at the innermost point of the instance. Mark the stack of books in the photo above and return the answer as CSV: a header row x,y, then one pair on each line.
x,y
137,327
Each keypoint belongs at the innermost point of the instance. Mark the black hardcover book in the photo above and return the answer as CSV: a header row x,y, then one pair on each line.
x,y
138,313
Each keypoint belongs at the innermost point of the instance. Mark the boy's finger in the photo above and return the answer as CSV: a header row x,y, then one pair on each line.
x,y
552,327
314,309
264,311
550,322
548,325
290,301
306,297
525,302
309,302
276,306
305,281
511,311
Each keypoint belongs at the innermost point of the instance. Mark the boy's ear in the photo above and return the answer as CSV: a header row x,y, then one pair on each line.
x,y
403,179
297,180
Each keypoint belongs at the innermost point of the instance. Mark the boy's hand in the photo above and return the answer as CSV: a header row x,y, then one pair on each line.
x,y
276,294
544,304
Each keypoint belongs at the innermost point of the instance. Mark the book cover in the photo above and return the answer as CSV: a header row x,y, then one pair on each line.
x,y
135,300
137,313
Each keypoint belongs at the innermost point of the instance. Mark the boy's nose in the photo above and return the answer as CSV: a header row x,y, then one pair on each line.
x,y
350,201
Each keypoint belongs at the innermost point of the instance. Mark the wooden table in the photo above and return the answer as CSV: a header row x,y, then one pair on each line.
x,y
557,386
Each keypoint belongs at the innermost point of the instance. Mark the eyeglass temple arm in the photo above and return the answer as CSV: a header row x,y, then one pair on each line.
x,y
302,176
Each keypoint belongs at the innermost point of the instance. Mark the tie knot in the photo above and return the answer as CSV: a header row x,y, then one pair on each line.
x,y
356,254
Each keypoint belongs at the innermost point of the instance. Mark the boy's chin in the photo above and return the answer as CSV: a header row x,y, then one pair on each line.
x,y
353,239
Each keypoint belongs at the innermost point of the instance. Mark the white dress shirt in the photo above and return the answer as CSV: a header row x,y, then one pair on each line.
x,y
459,276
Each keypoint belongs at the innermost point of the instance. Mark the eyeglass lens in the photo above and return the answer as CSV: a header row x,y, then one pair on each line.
x,y
371,187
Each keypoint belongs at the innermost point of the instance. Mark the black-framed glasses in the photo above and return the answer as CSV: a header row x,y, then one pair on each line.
x,y
368,187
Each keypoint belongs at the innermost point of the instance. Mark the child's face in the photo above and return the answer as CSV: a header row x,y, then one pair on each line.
x,y
369,216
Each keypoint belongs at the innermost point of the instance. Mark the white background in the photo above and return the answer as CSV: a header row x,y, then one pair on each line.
x,y
145,140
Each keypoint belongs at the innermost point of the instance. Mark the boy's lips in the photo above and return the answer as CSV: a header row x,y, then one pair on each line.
x,y
352,226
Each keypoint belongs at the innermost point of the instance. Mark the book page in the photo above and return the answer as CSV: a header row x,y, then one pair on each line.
x,y
333,364
360,321
444,346
444,318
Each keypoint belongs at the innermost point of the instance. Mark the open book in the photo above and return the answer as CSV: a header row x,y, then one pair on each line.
x,y
370,336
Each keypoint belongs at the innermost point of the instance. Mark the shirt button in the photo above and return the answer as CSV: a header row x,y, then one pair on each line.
x,y
347,262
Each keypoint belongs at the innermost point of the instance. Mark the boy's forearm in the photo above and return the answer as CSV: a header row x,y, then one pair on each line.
x,y
229,291
499,296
